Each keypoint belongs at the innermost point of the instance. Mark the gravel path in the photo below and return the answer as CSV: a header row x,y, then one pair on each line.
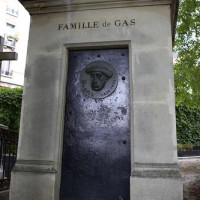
x,y
190,171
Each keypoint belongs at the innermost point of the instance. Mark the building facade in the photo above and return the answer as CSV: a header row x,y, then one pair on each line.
x,y
14,23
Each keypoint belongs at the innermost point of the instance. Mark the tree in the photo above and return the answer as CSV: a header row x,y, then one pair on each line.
x,y
187,66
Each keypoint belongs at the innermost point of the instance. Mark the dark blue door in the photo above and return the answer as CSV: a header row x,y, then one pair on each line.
x,y
96,147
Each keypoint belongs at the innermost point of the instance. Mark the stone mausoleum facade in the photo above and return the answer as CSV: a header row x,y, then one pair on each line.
x,y
112,133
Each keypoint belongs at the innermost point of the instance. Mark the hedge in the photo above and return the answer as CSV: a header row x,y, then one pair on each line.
x,y
10,107
188,125
187,119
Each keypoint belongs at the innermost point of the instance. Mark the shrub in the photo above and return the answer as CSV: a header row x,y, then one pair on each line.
x,y
180,147
10,107
188,125
188,146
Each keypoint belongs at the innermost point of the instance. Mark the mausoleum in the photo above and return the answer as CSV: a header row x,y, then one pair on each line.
x,y
98,113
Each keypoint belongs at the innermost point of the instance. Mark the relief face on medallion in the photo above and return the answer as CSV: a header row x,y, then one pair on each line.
x,y
98,79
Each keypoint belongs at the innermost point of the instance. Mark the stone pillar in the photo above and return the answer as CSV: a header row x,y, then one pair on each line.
x,y
146,28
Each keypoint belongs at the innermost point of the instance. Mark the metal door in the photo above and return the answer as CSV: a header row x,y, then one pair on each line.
x,y
96,147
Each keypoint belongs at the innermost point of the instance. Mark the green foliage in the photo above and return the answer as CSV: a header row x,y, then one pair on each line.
x,y
187,146
187,66
10,107
180,147
188,125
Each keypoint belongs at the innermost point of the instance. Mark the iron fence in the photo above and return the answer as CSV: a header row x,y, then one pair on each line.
x,y
8,154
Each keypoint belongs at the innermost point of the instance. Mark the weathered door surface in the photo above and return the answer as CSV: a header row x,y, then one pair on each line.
x,y
96,150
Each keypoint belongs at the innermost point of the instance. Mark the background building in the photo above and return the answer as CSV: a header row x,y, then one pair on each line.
x,y
14,27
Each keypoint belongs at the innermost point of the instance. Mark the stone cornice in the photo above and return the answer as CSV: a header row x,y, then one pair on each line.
x,y
52,6
174,15
36,7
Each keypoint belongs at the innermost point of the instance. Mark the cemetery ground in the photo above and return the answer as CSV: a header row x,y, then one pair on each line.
x,y
190,172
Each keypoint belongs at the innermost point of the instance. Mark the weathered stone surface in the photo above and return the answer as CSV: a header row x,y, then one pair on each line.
x,y
32,186
38,6
165,189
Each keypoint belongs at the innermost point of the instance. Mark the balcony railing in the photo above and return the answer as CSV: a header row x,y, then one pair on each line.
x,y
9,41
6,72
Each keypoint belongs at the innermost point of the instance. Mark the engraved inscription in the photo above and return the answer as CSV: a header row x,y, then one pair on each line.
x,y
98,79
96,24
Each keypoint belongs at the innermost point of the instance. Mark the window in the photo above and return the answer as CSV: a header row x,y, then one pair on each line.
x,y
12,11
9,41
6,68
10,28
10,36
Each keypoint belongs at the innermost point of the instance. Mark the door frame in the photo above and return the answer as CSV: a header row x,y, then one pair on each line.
x,y
63,83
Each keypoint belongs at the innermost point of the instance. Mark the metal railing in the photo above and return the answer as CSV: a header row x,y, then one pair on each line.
x,y
6,72
8,154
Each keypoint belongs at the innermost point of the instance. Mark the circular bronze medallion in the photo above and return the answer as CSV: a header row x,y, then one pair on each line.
x,y
98,79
